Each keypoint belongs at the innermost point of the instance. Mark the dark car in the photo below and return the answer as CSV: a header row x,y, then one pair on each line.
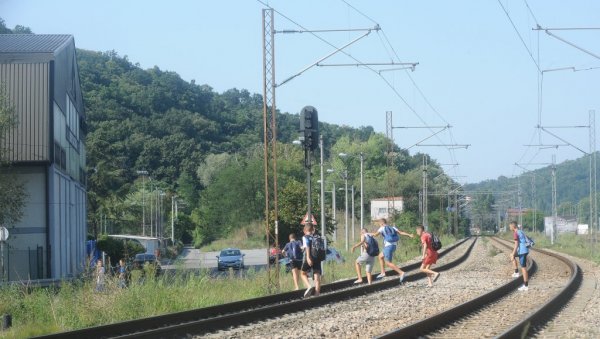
x,y
142,260
230,257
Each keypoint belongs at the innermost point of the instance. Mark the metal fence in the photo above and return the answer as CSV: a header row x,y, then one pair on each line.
x,y
23,264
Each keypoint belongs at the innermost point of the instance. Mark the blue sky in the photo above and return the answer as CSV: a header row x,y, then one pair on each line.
x,y
473,68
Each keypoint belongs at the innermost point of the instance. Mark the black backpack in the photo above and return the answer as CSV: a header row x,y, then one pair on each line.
x,y
436,243
372,246
317,248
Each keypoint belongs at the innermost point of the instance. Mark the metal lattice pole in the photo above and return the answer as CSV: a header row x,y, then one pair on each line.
x,y
554,209
593,151
270,143
425,221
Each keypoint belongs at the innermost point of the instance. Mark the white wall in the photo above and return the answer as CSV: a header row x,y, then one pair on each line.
x,y
379,208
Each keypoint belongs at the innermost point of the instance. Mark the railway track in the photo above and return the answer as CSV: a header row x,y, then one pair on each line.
x,y
220,317
503,312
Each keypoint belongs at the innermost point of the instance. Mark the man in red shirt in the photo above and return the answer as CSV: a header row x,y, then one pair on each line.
x,y
429,255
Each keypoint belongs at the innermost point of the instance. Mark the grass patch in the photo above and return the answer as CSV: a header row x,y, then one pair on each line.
x,y
245,238
76,305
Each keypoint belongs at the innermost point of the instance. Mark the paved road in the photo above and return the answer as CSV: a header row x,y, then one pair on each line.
x,y
194,259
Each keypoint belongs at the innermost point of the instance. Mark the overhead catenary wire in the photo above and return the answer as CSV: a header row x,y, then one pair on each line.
x,y
427,101
394,90
520,37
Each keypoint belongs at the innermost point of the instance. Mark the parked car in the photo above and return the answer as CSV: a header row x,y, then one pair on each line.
x,y
334,255
274,254
143,259
230,257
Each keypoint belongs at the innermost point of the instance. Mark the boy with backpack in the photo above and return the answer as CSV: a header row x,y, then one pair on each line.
x,y
369,249
430,254
520,250
293,250
314,254
391,236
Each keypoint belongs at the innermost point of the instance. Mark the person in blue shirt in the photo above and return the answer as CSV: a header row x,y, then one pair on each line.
x,y
293,251
389,247
521,251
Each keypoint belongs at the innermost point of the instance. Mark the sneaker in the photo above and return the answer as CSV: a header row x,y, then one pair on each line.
x,y
309,291
515,275
358,282
402,277
523,288
382,275
437,275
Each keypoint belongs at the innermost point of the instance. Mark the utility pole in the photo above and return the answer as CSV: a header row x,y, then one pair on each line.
x,y
346,209
519,200
173,218
270,141
391,183
425,222
554,209
323,230
333,214
362,205
143,173
352,214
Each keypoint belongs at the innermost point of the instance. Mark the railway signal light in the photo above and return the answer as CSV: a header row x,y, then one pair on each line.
x,y
309,125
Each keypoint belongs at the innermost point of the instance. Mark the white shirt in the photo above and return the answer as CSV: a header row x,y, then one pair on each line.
x,y
381,231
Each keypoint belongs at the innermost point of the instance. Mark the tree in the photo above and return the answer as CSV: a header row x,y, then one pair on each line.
x,y
12,199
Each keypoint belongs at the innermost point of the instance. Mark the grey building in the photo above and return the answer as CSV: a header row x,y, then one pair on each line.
x,y
39,73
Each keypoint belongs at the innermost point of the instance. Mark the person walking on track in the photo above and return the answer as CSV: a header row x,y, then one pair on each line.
x,y
310,263
391,236
429,256
293,250
520,252
369,250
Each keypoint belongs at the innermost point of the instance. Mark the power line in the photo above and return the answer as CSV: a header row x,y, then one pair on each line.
x,y
530,11
520,37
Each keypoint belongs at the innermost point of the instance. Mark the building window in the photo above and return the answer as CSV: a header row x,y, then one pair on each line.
x,y
60,157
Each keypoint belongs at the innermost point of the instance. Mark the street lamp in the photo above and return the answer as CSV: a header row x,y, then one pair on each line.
x,y
143,174
159,228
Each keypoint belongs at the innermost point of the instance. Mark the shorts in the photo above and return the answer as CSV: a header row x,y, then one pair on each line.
x,y
388,252
296,264
315,268
523,260
430,258
367,260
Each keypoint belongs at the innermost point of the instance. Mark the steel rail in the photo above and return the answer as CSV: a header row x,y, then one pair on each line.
x,y
538,318
525,328
218,317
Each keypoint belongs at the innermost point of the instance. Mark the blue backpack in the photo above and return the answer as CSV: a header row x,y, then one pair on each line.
x,y
296,252
372,246
390,234
525,239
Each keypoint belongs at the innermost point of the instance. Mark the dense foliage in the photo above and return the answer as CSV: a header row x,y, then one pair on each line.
x,y
153,139
205,148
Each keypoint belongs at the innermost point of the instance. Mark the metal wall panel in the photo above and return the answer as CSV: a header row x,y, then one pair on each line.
x,y
27,87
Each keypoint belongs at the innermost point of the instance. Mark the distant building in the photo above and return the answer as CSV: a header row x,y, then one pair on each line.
x,y
40,75
513,213
381,208
564,224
